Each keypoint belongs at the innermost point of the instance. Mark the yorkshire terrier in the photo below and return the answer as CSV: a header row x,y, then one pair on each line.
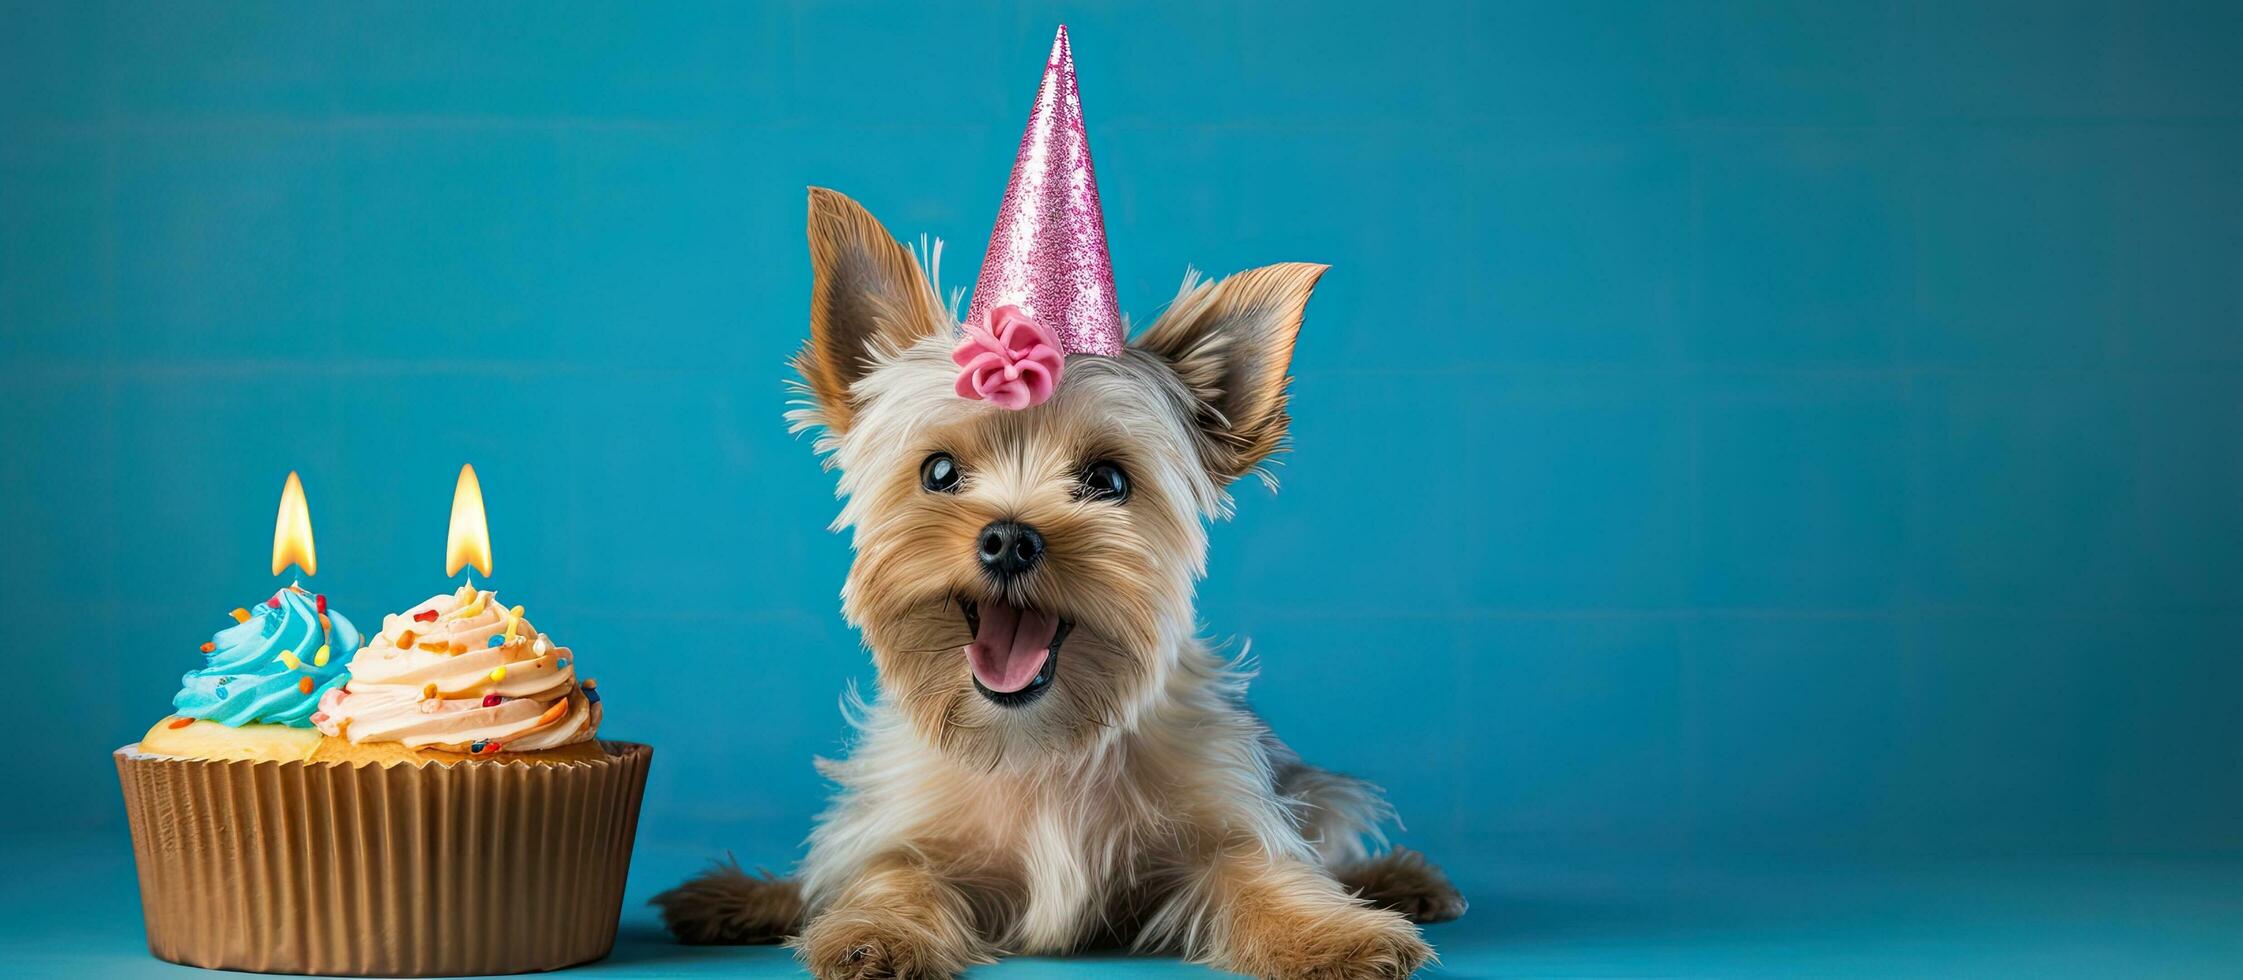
x,y
1055,760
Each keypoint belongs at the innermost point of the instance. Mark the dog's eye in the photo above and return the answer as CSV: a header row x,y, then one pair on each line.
x,y
1105,481
939,473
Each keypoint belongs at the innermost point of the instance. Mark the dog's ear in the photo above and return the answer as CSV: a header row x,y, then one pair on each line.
x,y
868,300
1232,341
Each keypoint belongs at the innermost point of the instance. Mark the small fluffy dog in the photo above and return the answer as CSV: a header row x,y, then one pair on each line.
x,y
1055,760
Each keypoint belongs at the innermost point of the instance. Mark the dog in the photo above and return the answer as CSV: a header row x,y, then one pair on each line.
x,y
1055,760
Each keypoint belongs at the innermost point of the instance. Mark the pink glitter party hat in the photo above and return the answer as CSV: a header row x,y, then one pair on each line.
x,y
1047,256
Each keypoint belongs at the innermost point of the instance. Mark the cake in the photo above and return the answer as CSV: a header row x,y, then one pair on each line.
x,y
398,807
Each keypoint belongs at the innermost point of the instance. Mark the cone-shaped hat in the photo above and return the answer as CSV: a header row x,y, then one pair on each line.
x,y
1047,255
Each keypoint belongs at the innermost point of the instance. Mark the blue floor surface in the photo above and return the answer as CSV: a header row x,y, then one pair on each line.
x,y
70,909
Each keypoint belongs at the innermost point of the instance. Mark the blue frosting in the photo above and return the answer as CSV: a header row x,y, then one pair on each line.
x,y
244,680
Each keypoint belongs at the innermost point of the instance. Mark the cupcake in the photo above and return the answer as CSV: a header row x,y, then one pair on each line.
x,y
260,682
432,802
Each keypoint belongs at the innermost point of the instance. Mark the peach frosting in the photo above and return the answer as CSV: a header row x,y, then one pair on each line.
x,y
462,673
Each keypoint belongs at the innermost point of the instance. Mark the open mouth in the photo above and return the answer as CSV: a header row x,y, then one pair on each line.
x,y
1014,652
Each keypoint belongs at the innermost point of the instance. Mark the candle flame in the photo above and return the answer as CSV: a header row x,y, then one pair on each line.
x,y
469,542
292,531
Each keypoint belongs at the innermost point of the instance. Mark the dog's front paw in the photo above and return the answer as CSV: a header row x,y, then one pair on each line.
x,y
850,944
1361,944
1392,948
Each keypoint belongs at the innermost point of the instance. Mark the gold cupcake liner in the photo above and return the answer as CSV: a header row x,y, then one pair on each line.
x,y
475,867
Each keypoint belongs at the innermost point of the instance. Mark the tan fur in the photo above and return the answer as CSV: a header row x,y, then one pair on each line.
x,y
1138,802
1287,919
1230,341
867,298
897,918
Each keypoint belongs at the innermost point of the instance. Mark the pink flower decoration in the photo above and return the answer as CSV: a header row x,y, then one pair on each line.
x,y
1009,359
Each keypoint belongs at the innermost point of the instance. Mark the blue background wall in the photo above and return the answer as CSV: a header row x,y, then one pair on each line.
x,y
1728,428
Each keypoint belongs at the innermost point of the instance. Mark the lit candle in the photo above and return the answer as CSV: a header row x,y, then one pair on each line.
x,y
469,541
292,530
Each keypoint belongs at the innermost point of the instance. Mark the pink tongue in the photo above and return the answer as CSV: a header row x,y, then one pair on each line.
x,y
1011,646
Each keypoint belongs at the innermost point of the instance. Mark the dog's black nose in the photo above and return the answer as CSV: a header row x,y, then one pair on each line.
x,y
1009,548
